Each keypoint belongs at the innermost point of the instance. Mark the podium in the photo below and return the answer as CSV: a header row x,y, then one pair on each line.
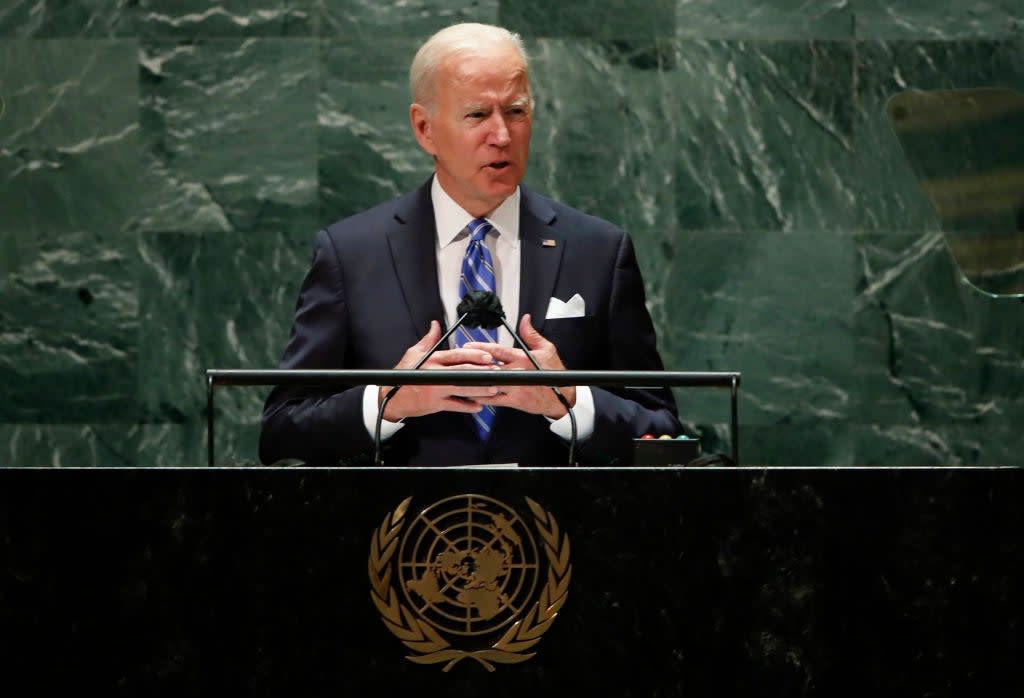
x,y
732,581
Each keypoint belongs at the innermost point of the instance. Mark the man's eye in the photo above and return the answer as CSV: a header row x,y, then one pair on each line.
x,y
476,115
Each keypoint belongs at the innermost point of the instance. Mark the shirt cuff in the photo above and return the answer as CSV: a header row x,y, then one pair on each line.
x,y
370,409
584,411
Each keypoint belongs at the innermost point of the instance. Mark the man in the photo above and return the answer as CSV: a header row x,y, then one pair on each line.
x,y
383,281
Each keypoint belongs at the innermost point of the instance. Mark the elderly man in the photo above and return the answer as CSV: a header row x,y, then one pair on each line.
x,y
384,282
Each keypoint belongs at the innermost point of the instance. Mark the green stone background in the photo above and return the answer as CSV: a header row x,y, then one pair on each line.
x,y
164,166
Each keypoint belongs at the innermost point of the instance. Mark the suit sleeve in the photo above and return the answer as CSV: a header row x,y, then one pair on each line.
x,y
624,414
315,425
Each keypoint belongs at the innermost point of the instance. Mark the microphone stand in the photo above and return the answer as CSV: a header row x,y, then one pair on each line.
x,y
472,309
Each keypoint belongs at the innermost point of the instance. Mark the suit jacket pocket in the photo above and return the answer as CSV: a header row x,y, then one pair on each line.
x,y
576,340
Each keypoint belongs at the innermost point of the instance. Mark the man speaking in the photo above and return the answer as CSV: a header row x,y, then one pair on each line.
x,y
383,284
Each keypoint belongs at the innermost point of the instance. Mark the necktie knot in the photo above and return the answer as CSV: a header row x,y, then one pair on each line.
x,y
478,229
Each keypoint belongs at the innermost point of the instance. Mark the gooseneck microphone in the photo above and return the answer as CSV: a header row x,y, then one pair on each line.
x,y
477,309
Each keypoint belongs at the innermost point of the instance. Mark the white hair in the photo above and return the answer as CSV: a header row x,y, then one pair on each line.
x,y
450,41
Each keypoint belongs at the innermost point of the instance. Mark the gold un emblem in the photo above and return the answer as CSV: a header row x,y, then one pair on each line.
x,y
463,579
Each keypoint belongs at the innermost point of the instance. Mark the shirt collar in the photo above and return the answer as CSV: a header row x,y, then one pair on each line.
x,y
451,219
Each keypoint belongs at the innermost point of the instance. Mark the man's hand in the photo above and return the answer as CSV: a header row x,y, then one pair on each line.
x,y
535,399
418,400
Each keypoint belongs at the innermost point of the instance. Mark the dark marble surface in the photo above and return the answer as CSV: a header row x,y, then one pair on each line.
x,y
599,20
745,582
165,167
770,20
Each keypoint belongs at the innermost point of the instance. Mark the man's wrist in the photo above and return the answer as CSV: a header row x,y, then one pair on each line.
x,y
382,394
583,410
371,408
569,395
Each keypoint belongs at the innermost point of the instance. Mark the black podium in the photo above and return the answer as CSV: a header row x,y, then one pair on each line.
x,y
624,582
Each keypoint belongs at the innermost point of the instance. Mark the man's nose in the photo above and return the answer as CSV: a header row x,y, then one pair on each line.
x,y
499,134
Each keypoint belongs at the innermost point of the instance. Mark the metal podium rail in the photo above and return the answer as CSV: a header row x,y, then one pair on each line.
x,y
348,377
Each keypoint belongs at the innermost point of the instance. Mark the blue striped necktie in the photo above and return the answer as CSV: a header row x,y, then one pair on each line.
x,y
478,275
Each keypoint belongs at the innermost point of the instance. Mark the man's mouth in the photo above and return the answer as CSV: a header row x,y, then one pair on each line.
x,y
500,165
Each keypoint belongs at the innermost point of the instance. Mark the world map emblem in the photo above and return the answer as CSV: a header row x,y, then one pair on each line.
x,y
467,578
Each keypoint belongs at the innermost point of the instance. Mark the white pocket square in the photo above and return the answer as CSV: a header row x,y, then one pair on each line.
x,y
574,307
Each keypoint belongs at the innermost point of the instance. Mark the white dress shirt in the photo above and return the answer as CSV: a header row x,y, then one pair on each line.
x,y
450,247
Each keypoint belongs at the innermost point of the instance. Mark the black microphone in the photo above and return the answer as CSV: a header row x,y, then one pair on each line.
x,y
476,309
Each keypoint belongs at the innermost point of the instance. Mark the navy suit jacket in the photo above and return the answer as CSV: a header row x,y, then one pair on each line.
x,y
371,293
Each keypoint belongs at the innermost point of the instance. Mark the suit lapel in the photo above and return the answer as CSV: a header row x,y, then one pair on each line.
x,y
541,259
411,242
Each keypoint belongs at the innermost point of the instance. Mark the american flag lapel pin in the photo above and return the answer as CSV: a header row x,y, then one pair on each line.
x,y
548,242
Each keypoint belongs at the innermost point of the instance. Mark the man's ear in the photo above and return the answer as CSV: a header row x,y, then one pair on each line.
x,y
419,117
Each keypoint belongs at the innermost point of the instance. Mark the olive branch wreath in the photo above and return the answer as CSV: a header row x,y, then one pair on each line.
x,y
421,637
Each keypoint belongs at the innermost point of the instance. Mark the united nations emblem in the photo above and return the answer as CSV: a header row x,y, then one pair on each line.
x,y
466,579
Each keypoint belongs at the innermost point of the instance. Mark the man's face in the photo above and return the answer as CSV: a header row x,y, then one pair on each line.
x,y
479,129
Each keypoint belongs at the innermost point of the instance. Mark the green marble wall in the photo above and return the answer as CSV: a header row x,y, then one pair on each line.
x,y
164,166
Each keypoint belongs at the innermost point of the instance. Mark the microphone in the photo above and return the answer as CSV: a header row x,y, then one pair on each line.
x,y
476,309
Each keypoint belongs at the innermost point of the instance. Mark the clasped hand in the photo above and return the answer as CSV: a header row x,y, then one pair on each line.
x,y
419,400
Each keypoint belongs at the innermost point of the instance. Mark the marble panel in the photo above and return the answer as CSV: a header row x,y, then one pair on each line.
x,y
849,443
702,133
68,330
966,443
939,361
89,445
799,444
68,136
945,21
367,152
888,196
592,19
186,19
741,302
602,122
764,21
765,135
184,444
211,301
399,18
228,129
195,19
61,19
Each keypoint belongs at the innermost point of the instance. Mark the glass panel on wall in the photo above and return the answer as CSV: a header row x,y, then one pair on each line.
x,y
966,148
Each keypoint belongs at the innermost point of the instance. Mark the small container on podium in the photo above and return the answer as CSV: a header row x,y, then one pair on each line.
x,y
665,450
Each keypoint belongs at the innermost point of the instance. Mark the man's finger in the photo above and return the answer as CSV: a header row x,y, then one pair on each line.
x,y
430,338
501,399
482,346
455,404
473,391
505,354
461,358
530,335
